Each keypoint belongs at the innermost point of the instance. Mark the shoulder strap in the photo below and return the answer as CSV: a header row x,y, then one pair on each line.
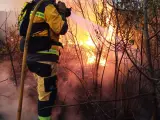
x,y
29,6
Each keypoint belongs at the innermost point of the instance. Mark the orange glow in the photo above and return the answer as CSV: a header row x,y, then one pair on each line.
x,y
83,29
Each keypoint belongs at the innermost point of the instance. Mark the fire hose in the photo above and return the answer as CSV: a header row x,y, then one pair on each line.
x,y
19,111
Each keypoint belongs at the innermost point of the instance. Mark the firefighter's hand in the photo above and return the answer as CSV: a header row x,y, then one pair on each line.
x,y
61,7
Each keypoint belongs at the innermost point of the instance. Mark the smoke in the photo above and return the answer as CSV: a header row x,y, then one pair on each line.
x,y
67,92
70,91
9,97
69,86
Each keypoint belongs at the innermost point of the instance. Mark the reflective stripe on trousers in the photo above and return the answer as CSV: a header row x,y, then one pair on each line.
x,y
50,51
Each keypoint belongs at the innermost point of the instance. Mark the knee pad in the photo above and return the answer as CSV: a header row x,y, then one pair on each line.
x,y
41,69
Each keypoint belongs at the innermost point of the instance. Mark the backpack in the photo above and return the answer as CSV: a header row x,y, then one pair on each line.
x,y
23,19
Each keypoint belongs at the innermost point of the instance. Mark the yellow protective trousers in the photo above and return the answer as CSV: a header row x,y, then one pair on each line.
x,y
45,74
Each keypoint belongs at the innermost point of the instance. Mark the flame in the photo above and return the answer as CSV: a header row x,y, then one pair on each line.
x,y
102,62
85,30
92,58
109,34
89,42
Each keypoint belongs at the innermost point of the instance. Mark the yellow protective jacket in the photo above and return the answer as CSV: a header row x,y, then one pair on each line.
x,y
49,14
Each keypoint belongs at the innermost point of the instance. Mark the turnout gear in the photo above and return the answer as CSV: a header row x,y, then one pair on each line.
x,y
43,51
46,29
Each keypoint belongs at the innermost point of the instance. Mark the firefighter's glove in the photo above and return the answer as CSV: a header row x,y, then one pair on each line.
x,y
62,8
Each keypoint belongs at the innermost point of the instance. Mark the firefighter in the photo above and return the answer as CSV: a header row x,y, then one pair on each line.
x,y
43,51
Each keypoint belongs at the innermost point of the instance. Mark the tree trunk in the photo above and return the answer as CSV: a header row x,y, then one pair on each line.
x,y
149,57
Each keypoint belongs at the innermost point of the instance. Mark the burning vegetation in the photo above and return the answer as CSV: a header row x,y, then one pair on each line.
x,y
109,67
